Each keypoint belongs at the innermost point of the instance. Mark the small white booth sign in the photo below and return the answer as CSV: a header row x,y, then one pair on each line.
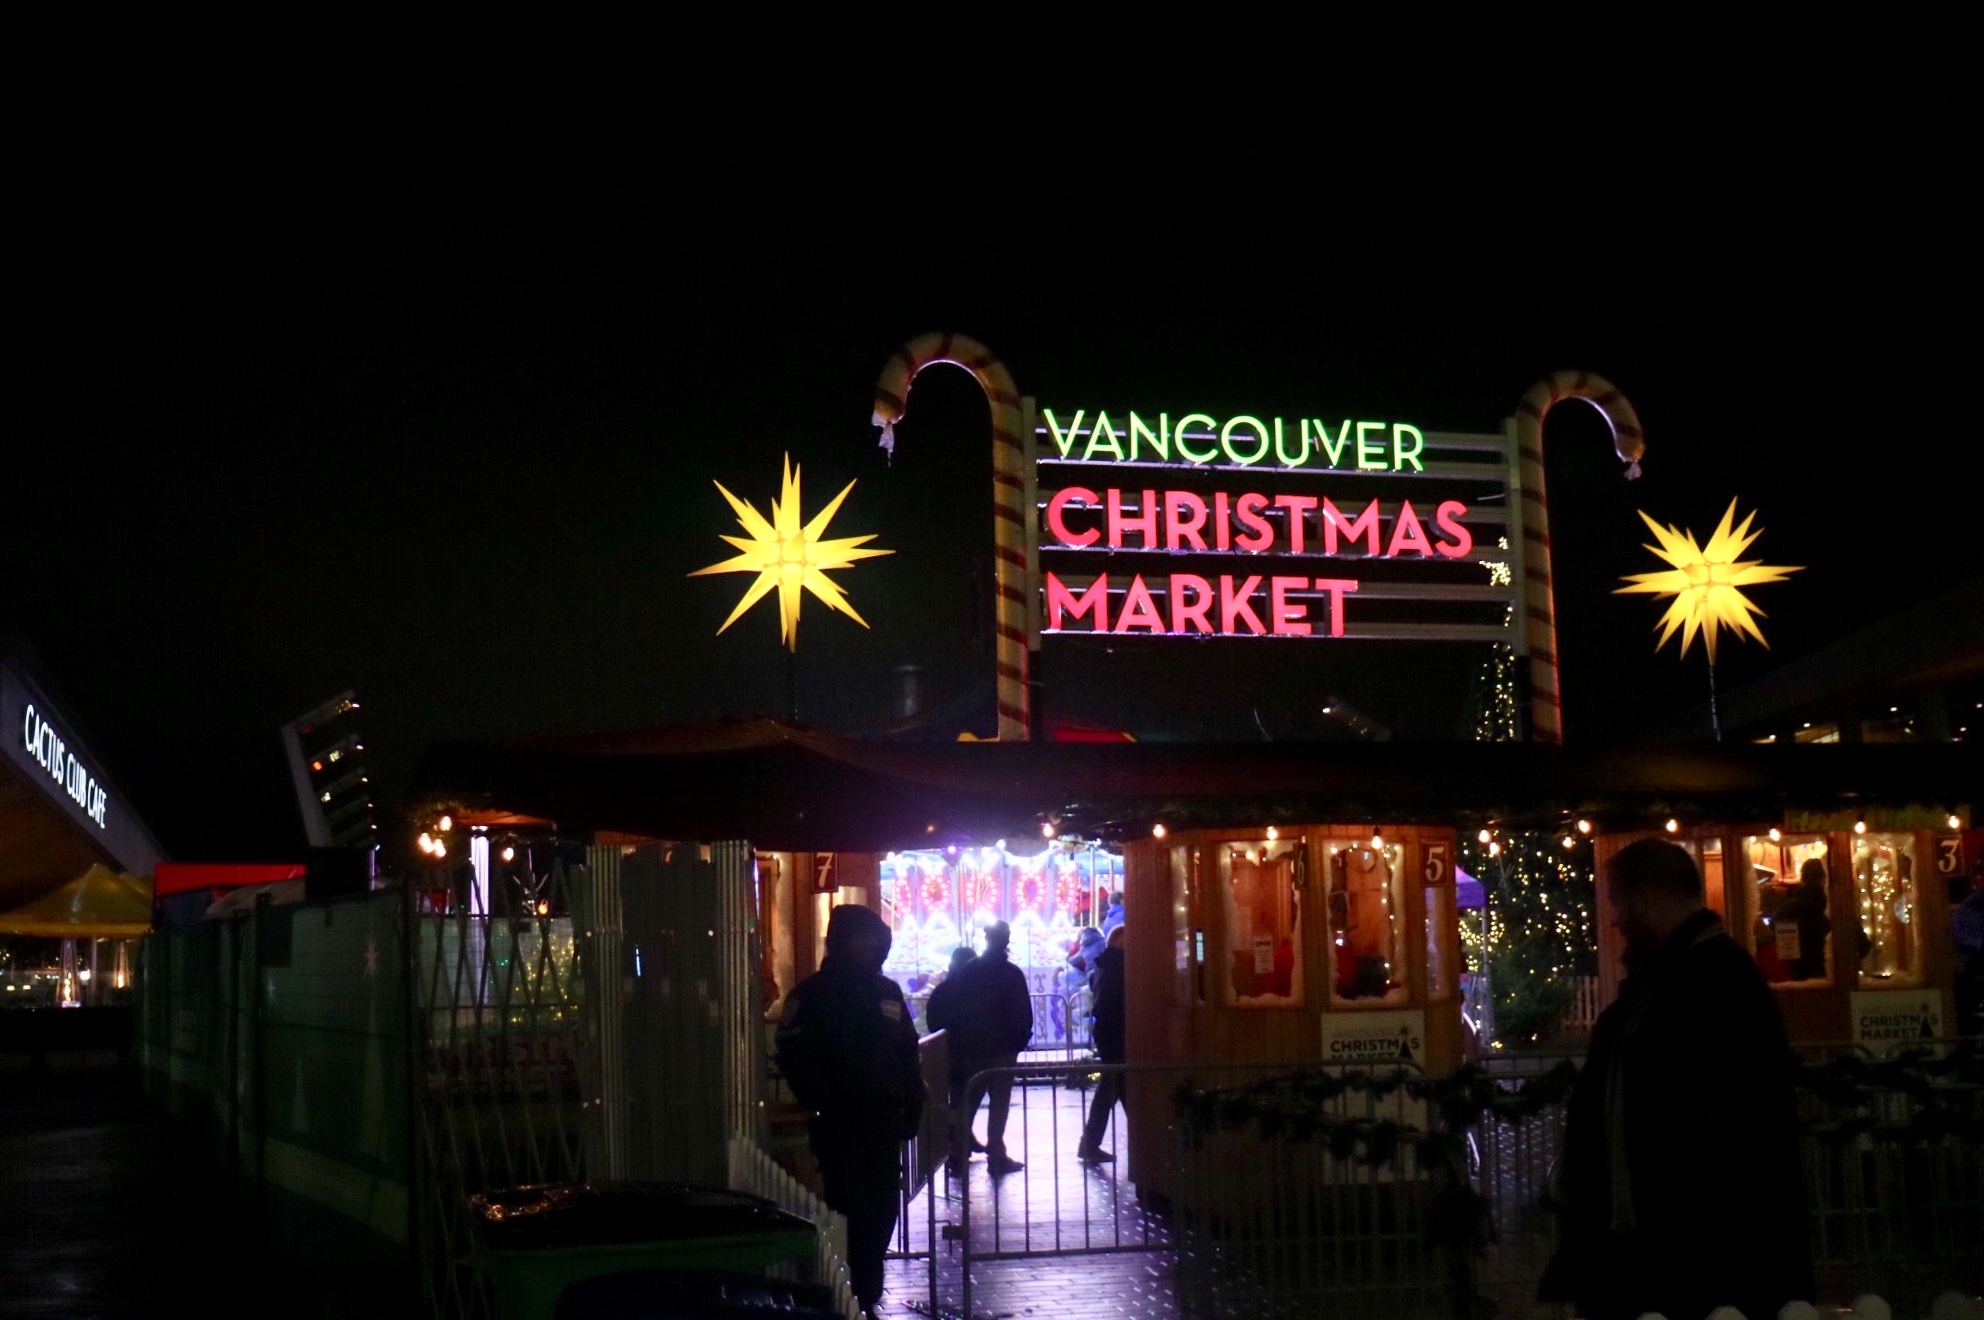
x,y
1388,1038
1889,1020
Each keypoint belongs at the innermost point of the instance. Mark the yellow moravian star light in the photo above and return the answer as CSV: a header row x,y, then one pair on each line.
x,y
1706,581
790,556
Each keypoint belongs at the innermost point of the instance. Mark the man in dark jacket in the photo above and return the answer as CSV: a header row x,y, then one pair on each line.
x,y
1110,1014
847,1048
992,1021
1681,1175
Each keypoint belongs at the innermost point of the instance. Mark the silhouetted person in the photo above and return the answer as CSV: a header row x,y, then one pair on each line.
x,y
992,1023
1805,911
1681,1174
942,1015
847,1048
1110,1015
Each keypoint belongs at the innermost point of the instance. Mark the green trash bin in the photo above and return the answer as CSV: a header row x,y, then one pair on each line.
x,y
532,1242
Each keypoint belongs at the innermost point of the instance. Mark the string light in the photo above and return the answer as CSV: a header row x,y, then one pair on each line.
x,y
1570,842
1673,826
1046,830
1157,830
1536,936
1776,835
1859,827
1955,823
1274,833
1584,826
447,823
509,854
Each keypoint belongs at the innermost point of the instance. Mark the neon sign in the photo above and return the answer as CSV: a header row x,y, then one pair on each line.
x,y
52,754
1282,591
1242,441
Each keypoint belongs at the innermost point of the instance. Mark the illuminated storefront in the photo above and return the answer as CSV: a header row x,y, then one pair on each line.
x,y
76,868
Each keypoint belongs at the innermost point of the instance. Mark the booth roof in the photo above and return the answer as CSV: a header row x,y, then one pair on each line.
x,y
786,787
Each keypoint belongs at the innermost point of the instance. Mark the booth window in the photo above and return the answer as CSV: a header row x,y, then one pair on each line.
x,y
1261,885
1187,928
1367,911
1790,885
1889,940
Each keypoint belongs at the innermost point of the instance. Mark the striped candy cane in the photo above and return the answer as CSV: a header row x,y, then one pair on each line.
x,y
1008,487
1539,605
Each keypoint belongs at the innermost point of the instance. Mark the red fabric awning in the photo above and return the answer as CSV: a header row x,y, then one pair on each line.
x,y
178,877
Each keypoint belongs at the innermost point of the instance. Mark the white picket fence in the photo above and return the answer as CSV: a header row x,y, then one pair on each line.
x,y
1947,1306
755,1172
1586,1007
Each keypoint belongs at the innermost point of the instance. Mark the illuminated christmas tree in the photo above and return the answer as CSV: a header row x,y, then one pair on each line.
x,y
1539,937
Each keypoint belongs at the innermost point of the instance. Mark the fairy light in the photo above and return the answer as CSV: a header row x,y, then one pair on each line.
x,y
1673,826
1157,831
1955,823
1776,835
1538,930
1046,830
1274,833
1859,827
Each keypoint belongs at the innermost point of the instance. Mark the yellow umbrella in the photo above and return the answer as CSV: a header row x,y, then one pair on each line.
x,y
98,904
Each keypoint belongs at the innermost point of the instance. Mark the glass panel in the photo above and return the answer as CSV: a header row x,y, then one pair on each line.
x,y
1366,906
1258,882
1889,940
1189,985
1789,884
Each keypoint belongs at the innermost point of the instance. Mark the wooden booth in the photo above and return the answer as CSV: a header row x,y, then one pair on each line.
x,y
1848,919
1332,944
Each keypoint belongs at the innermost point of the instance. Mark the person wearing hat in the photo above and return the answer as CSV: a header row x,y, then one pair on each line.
x,y
990,1024
847,1047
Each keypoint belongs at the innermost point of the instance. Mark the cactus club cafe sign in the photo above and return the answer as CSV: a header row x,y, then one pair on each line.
x,y
1195,525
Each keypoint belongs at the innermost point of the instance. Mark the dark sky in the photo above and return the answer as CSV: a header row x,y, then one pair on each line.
x,y
432,407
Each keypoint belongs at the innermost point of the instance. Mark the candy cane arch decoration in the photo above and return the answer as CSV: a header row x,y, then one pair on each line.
x,y
1008,487
1539,605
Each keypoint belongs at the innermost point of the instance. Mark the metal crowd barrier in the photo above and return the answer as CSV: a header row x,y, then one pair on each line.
x,y
1253,1220
1062,1028
1897,1201
1247,1226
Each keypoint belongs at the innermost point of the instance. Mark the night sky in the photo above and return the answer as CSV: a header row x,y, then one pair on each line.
x,y
434,412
